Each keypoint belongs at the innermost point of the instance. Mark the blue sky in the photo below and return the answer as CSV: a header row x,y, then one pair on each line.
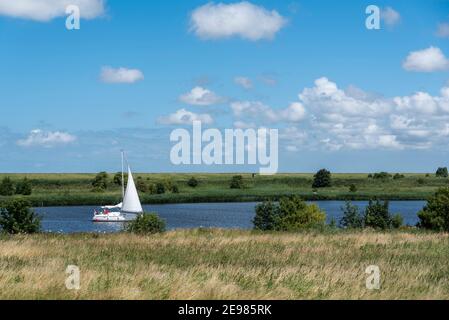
x,y
347,98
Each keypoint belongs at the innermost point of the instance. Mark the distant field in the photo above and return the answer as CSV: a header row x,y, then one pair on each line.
x,y
75,189
226,264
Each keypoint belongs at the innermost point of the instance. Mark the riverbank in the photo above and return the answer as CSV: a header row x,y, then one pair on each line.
x,y
226,264
76,189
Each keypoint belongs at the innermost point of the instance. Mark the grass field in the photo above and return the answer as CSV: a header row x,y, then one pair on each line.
x,y
226,264
75,189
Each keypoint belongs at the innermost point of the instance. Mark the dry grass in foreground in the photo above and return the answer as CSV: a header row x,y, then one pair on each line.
x,y
223,264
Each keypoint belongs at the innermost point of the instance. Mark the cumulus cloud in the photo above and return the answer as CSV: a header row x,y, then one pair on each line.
x,y
184,117
390,16
46,10
258,111
244,82
47,139
120,75
443,30
200,96
427,60
242,19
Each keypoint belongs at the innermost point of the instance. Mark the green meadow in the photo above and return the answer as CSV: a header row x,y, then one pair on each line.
x,y
76,189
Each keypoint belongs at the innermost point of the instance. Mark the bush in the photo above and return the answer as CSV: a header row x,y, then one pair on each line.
x,y
141,185
353,188
266,216
442,173
117,180
377,216
290,214
100,181
24,187
352,218
17,218
146,223
322,179
6,187
382,176
398,176
193,183
159,188
236,182
174,189
435,215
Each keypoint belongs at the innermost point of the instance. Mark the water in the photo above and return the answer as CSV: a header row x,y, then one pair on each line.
x,y
219,215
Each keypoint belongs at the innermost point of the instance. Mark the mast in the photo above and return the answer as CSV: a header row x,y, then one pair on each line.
x,y
123,179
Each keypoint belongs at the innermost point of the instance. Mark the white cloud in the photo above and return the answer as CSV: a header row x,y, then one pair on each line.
x,y
200,96
243,19
389,141
427,60
390,16
183,116
259,111
48,139
244,82
443,30
46,10
120,75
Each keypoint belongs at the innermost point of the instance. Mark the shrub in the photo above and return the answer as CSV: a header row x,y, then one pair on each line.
x,y
266,216
193,183
160,188
353,188
442,173
117,180
322,179
370,176
290,214
382,176
6,187
421,181
397,221
236,182
17,218
352,218
435,215
174,189
141,185
377,216
398,176
100,181
295,214
24,187
146,223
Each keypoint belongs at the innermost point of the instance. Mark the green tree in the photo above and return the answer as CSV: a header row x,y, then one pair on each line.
x,y
377,216
398,176
100,181
236,182
24,187
146,223
322,179
16,217
353,188
160,188
193,183
382,175
117,179
295,214
435,215
266,216
352,218
442,173
141,185
6,187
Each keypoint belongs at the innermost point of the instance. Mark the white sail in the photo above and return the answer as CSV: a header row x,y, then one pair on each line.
x,y
131,201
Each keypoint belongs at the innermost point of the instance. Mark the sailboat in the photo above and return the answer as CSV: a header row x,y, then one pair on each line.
x,y
130,206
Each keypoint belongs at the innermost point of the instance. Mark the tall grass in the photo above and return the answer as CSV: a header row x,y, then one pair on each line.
x,y
226,264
